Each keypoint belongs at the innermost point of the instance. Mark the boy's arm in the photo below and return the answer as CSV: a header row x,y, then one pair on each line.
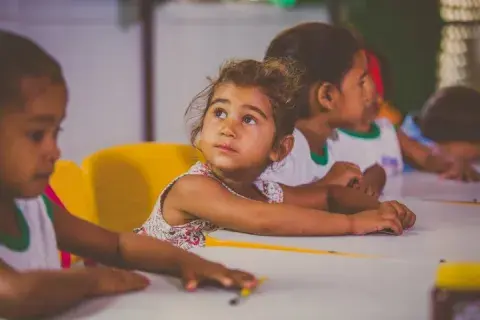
x,y
41,293
425,159
420,156
124,250
131,251
374,179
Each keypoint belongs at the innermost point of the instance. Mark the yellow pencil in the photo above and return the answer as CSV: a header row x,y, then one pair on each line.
x,y
245,292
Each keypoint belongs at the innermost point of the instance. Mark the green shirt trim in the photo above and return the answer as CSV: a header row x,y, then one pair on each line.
x,y
21,243
373,133
320,159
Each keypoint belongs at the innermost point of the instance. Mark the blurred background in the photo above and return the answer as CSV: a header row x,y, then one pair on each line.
x,y
132,66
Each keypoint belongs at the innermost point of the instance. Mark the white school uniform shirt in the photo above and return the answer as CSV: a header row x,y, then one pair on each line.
x,y
36,248
379,146
301,166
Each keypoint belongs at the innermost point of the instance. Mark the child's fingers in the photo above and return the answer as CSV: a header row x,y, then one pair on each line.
x,y
394,224
472,175
451,174
242,279
190,279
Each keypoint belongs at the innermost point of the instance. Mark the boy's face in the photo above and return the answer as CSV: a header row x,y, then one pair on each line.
x,y
28,138
356,101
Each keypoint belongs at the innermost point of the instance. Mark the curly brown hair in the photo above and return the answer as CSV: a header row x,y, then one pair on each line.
x,y
278,79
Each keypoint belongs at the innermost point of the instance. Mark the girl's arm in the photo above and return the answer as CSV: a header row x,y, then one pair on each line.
x,y
45,293
132,251
333,198
205,198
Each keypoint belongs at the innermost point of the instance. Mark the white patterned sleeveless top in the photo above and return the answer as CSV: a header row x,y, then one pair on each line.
x,y
36,248
192,234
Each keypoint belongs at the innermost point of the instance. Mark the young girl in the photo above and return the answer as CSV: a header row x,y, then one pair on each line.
x,y
33,98
246,121
336,90
450,122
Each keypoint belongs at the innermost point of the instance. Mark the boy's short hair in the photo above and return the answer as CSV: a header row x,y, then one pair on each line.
x,y
20,57
325,52
452,114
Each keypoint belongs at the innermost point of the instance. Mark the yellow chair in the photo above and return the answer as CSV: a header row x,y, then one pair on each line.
x,y
127,180
72,188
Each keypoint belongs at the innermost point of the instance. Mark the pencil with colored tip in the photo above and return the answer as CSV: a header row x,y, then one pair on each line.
x,y
244,293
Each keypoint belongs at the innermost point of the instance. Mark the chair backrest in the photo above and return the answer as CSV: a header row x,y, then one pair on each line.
x,y
128,179
69,188
72,187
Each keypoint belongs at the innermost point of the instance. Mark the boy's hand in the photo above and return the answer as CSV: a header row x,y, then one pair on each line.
x,y
343,174
462,171
110,281
196,271
451,168
391,215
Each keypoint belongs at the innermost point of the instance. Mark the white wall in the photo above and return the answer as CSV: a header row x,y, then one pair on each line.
x,y
101,60
101,64
194,39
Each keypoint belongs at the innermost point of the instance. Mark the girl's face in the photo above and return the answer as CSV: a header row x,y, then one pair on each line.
x,y
355,101
238,130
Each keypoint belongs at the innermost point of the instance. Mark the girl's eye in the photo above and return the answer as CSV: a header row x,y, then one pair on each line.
x,y
249,120
36,136
219,113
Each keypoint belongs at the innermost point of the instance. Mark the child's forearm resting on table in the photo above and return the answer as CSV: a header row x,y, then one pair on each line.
x,y
39,293
332,198
420,156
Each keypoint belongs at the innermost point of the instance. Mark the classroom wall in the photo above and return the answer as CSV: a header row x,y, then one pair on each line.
x,y
100,62
101,59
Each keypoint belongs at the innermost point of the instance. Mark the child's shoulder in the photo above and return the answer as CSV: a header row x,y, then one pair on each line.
x,y
40,206
384,123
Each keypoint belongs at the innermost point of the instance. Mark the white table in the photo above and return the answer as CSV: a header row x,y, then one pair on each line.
x,y
299,287
442,231
430,187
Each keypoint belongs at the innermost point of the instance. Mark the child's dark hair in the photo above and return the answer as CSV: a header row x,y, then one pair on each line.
x,y
19,58
325,52
452,114
277,78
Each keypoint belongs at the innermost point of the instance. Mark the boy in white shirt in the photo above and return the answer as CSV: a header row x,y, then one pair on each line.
x,y
336,90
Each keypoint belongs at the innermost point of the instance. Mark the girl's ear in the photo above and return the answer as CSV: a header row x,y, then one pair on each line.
x,y
198,140
283,149
326,96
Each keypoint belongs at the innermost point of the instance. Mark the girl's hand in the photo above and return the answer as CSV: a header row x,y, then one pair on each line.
x,y
196,271
110,281
343,174
391,215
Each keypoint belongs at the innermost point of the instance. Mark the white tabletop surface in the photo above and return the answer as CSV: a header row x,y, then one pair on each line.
x,y
299,286
442,231
431,187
